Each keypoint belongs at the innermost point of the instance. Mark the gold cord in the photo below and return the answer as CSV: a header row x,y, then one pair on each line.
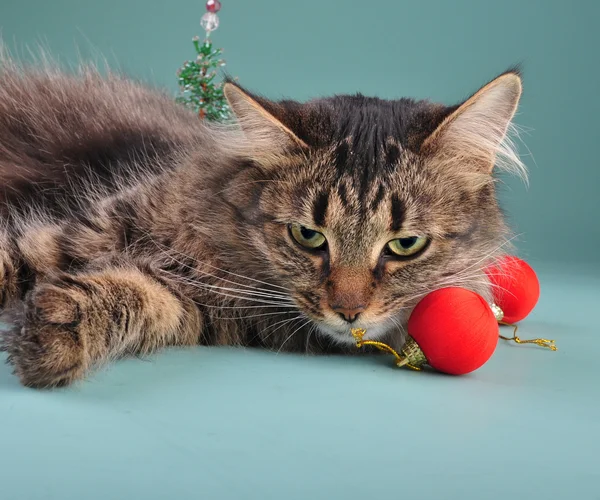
x,y
359,333
548,344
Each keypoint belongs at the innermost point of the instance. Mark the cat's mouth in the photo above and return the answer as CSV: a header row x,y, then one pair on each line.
x,y
378,325
343,334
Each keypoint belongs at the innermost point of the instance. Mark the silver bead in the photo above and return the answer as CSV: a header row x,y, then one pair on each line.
x,y
209,21
498,313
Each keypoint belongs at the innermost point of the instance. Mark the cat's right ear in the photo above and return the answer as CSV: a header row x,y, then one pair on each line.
x,y
474,135
270,141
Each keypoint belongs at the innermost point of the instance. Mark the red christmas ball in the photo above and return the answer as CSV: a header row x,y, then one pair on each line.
x,y
213,6
516,288
456,330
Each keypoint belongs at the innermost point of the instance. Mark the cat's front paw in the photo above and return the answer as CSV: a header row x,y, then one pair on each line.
x,y
47,349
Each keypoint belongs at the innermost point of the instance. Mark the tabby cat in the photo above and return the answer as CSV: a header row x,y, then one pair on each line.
x,y
128,224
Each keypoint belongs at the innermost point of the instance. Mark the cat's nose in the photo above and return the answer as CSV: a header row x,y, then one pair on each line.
x,y
349,314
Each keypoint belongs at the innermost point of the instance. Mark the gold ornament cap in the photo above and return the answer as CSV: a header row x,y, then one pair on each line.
x,y
410,356
413,356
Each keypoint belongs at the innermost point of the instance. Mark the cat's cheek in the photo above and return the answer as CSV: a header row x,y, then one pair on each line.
x,y
268,240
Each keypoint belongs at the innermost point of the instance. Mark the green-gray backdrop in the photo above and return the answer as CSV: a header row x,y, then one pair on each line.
x,y
428,49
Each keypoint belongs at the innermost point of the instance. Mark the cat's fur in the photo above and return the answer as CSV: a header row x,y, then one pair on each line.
x,y
128,224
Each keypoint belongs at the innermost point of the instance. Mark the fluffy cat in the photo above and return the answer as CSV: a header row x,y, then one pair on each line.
x,y
129,225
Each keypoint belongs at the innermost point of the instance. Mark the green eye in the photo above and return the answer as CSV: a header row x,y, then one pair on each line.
x,y
405,247
308,238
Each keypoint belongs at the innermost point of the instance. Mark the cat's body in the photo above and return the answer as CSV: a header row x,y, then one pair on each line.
x,y
129,225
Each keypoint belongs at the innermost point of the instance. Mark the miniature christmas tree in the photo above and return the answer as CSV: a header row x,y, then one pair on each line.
x,y
200,88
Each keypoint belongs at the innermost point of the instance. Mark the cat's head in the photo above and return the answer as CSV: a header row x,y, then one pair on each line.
x,y
360,205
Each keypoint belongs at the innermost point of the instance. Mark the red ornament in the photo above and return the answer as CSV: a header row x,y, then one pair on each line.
x,y
455,329
213,6
516,288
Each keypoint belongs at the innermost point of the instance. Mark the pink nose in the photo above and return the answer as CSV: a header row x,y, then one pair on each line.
x,y
349,314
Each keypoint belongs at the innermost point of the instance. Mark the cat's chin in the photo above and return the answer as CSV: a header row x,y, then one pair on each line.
x,y
344,335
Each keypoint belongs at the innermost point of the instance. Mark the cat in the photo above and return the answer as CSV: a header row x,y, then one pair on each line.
x,y
128,224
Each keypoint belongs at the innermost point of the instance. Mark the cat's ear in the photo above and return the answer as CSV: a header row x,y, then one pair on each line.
x,y
270,140
474,135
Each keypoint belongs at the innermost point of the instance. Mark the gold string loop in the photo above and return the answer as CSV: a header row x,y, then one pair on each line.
x,y
548,344
358,334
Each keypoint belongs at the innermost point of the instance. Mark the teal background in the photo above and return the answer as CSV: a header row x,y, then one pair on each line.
x,y
233,423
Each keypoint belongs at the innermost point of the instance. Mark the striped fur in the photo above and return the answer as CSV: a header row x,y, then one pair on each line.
x,y
128,225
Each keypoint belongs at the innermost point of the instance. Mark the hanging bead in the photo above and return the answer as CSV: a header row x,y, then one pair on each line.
x,y
498,313
209,21
213,6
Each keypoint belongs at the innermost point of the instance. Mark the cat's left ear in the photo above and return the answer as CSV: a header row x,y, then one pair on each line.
x,y
474,134
270,140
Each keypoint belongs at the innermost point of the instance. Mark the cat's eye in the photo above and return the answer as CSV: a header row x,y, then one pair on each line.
x,y
308,238
407,247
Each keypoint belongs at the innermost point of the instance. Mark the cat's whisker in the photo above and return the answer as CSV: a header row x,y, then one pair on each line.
x,y
282,324
204,287
292,334
205,273
167,252
311,331
475,273
397,324
283,305
256,290
472,280
249,299
261,324
220,270
252,316
217,291
455,282
247,292
283,321
261,330
489,254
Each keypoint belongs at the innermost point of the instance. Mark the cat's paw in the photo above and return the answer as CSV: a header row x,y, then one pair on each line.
x,y
48,350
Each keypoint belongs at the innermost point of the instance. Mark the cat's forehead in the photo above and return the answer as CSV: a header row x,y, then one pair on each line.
x,y
364,180
367,124
368,141
364,198
366,162
351,192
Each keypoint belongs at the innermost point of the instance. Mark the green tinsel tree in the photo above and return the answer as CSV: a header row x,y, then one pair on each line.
x,y
200,88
